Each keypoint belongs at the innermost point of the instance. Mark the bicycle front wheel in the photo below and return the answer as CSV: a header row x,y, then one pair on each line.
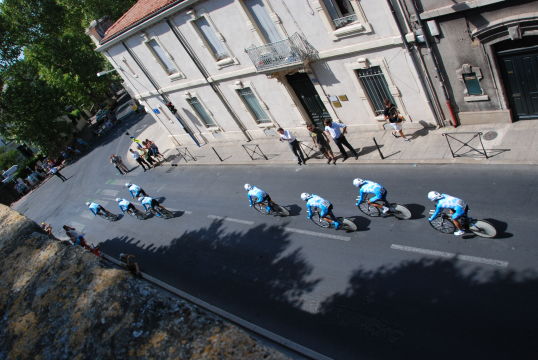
x,y
369,209
401,212
483,228
320,221
348,225
443,224
167,214
261,208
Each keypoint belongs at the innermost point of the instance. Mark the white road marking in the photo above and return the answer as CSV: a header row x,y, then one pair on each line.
x,y
318,234
109,192
449,255
118,182
160,188
239,221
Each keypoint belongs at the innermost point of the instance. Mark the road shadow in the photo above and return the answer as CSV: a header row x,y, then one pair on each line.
x,y
161,199
417,211
294,209
362,222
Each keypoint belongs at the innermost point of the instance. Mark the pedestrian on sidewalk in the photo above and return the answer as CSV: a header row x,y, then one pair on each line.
x,y
146,155
139,159
120,166
54,170
286,135
337,132
321,140
154,150
393,116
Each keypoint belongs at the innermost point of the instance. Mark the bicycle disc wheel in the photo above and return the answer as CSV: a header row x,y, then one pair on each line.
x,y
279,210
483,228
401,212
443,225
369,210
348,225
319,221
260,207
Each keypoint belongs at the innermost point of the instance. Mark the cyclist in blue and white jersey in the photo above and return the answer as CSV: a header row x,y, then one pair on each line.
x,y
325,208
149,203
135,190
125,205
370,187
256,195
458,208
95,208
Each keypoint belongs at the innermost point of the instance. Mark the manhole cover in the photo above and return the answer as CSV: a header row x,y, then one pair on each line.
x,y
490,135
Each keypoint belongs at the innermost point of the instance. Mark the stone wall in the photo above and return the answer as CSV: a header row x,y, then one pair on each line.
x,y
58,301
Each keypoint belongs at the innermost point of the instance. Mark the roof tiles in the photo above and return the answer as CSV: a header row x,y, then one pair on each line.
x,y
140,11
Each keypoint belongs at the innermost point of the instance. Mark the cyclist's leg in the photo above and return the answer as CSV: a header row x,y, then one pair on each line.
x,y
269,205
456,214
327,214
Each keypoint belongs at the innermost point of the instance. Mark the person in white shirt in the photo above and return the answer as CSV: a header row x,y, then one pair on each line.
x,y
286,135
333,129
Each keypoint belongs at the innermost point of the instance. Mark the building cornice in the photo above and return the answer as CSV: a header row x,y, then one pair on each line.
x,y
459,7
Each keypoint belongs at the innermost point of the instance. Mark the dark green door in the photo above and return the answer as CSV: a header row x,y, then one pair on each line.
x,y
310,100
520,73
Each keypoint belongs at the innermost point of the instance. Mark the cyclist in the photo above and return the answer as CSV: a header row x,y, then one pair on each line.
x,y
95,208
135,190
256,195
149,203
370,187
457,207
325,208
125,205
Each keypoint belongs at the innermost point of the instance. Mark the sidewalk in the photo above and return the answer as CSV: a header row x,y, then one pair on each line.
x,y
515,143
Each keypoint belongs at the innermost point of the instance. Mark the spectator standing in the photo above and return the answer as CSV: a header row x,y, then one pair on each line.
x,y
322,142
139,159
286,135
392,115
154,150
337,132
130,264
116,161
145,154
54,170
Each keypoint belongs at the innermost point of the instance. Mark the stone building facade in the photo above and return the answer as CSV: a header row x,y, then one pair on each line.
x,y
235,70
482,55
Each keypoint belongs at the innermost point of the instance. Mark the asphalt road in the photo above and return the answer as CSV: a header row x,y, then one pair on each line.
x,y
393,289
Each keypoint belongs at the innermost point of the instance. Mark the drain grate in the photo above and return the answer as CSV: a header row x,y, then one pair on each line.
x,y
490,135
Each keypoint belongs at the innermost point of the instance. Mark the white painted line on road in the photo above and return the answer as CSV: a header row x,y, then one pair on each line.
x,y
118,182
160,188
109,192
319,234
239,221
449,255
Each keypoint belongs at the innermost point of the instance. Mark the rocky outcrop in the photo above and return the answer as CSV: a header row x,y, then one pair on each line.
x,y
58,301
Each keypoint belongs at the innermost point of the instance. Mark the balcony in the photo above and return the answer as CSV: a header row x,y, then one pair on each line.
x,y
291,52
343,21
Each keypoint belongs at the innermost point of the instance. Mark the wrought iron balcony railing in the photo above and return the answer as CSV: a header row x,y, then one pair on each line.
x,y
343,21
286,53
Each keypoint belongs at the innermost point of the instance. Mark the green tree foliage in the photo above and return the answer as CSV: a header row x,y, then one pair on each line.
x,y
8,158
59,65
29,109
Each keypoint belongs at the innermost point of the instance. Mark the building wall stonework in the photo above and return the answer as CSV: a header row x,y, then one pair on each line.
x,y
373,39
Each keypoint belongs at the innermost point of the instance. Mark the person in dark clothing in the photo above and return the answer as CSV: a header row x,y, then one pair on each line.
x,y
139,159
54,170
337,132
322,142
285,135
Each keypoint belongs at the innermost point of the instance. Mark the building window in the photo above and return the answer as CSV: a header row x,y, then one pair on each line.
x,y
253,105
341,12
211,39
472,84
162,57
201,112
375,85
264,23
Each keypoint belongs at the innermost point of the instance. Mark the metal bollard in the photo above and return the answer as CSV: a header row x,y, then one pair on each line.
x,y
216,153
